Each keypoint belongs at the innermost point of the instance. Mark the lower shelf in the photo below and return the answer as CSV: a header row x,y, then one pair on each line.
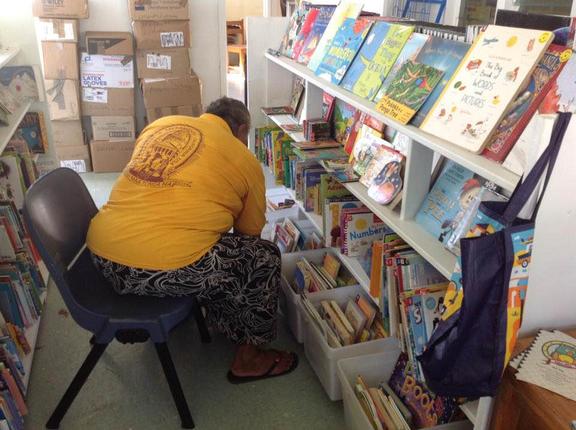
x,y
31,334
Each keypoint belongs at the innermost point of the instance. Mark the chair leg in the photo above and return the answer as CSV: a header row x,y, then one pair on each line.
x,y
76,384
201,323
174,384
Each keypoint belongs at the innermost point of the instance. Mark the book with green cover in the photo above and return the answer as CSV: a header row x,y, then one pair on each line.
x,y
376,58
329,188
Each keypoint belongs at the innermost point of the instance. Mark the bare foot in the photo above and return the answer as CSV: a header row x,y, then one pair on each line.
x,y
251,360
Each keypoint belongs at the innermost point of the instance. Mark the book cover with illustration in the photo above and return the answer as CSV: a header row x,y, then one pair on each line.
x,y
304,32
387,183
523,108
345,9
446,204
563,92
32,129
489,78
444,55
343,120
360,227
411,48
313,38
343,49
329,188
363,124
408,91
294,26
311,187
20,81
332,210
376,58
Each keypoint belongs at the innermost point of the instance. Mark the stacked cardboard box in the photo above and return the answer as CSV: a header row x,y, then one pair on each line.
x,y
107,78
162,33
57,29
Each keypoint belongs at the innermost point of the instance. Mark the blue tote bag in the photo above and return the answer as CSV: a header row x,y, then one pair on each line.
x,y
470,348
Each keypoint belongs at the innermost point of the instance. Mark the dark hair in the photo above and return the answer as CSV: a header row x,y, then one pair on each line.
x,y
233,111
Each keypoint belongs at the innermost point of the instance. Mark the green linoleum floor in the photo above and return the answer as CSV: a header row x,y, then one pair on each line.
x,y
127,389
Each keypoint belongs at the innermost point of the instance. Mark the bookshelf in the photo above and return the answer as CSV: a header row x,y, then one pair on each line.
x,y
31,334
14,119
281,120
7,54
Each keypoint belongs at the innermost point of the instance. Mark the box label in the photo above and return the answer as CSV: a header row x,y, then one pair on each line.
x,y
106,71
120,134
95,95
172,39
79,166
158,62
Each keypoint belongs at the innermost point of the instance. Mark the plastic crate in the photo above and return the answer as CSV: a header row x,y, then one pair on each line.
x,y
324,358
374,369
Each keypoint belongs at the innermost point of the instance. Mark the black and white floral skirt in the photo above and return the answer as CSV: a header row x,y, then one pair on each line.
x,y
237,281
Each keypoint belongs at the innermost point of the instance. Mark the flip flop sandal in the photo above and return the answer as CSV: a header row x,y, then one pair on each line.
x,y
233,379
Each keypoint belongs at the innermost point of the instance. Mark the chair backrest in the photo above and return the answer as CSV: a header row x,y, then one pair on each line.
x,y
57,212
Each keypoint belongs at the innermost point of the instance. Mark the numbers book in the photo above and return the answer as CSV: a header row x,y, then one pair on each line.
x,y
332,210
313,38
343,120
408,91
294,26
489,78
360,227
411,48
376,58
444,55
343,49
345,9
304,32
523,108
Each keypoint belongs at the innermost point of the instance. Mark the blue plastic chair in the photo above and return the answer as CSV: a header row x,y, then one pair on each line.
x,y
57,212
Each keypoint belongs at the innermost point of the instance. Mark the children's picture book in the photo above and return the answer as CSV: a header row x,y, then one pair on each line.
x,y
345,9
387,183
21,82
313,37
445,205
343,49
277,110
328,102
489,78
294,27
346,175
408,91
563,93
523,108
383,155
311,187
297,94
343,120
320,154
332,210
363,124
316,144
32,129
11,180
304,32
411,48
329,188
331,265
444,55
360,227
376,58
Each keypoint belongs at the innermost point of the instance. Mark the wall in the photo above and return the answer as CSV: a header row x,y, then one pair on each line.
x,y
239,9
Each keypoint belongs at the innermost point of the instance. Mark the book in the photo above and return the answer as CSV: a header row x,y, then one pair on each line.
x,y
311,187
328,313
360,227
365,150
20,81
316,144
562,97
367,309
356,317
321,154
278,110
329,188
32,129
305,30
387,184
331,265
386,164
444,55
332,210
343,49
345,9
375,59
328,102
408,91
313,38
523,108
488,79
297,94
446,203
294,27
411,48
11,180
367,403
343,120
363,124
406,414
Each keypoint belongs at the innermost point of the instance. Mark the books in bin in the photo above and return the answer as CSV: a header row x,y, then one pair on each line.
x,y
375,58
360,227
342,50
444,55
408,91
313,38
488,79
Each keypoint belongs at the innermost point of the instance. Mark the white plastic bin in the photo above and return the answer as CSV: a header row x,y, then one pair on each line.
x,y
324,358
374,368
292,300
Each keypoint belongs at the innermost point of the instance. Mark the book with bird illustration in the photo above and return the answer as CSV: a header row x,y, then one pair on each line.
x,y
409,90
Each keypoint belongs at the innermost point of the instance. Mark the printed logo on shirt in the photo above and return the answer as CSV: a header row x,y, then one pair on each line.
x,y
162,154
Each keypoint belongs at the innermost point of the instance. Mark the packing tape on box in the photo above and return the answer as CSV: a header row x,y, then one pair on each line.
x,y
57,93
59,27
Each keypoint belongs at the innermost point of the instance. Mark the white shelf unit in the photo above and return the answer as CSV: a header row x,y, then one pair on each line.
x,y
281,120
14,119
7,54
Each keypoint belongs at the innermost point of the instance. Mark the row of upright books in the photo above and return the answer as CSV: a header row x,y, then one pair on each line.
x,y
480,97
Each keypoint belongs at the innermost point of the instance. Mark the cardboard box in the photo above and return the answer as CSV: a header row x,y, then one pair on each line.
x,y
162,34
60,8
159,112
106,71
60,60
62,98
108,101
163,63
57,30
113,128
75,157
172,92
110,156
67,133
157,10
109,43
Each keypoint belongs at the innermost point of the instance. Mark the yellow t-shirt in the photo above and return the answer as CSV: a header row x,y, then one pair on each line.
x,y
188,182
